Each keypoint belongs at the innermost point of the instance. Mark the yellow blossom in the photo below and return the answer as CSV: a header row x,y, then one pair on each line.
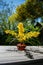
x,y
7,31
21,36
10,32
35,34
31,34
20,27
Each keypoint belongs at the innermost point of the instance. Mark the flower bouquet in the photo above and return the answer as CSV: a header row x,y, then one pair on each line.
x,y
21,36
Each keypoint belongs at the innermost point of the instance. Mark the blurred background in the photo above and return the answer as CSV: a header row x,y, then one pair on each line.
x,y
29,13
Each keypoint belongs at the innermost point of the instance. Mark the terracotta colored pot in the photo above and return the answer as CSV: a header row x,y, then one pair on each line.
x,y
21,46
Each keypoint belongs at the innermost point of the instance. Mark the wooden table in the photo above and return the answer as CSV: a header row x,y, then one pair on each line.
x,y
10,55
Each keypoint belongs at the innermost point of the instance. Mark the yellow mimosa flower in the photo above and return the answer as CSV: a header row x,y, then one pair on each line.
x,y
10,32
20,27
21,36
7,31
35,34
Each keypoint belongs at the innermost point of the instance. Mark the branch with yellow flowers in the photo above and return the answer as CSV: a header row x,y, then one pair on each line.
x,y
21,36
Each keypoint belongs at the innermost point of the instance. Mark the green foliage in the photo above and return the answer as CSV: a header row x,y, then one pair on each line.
x,y
30,9
8,39
30,27
34,41
8,26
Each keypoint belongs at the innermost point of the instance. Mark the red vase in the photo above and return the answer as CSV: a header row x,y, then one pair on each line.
x,y
21,46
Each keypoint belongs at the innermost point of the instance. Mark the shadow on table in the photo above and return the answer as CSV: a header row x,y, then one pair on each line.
x,y
31,62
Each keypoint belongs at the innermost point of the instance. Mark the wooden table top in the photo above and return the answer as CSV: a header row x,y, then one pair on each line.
x,y
9,54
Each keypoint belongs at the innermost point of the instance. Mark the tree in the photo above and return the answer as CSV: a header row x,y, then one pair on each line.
x,y
31,9
5,10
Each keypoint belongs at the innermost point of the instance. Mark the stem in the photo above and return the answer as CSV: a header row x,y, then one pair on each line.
x,y
12,40
36,39
30,42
